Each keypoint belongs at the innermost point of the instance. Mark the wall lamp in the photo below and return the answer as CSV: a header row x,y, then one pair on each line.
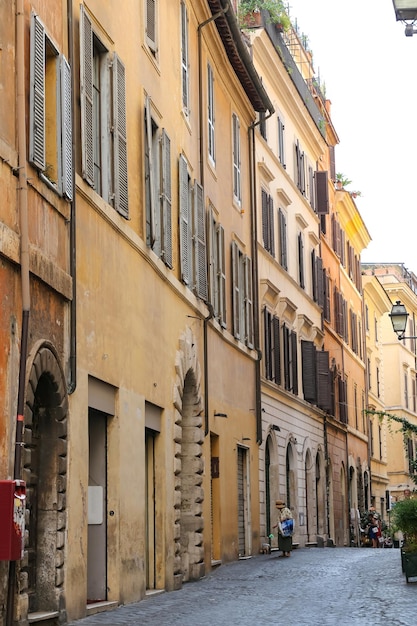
x,y
406,12
399,317
220,414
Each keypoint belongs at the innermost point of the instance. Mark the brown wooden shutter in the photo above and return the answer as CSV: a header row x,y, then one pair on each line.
x,y
276,350
309,374
324,396
322,193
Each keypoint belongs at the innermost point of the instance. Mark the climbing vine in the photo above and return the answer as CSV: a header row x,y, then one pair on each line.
x,y
407,429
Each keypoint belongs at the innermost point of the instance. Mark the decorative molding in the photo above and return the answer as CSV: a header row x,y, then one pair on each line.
x,y
283,197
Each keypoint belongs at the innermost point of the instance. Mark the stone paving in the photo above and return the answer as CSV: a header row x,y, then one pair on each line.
x,y
315,586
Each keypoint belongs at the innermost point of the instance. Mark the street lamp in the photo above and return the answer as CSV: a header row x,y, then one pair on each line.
x,y
399,317
406,11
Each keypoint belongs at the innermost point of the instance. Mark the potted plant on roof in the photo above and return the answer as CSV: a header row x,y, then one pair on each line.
x,y
249,13
405,519
342,181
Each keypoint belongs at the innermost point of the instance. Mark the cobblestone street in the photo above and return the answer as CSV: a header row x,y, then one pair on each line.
x,y
316,586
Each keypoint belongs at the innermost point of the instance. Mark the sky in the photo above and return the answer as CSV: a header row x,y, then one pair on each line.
x,y
369,68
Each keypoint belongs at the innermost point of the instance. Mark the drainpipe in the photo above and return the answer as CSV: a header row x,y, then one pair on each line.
x,y
206,379
255,274
200,87
72,375
24,268
201,147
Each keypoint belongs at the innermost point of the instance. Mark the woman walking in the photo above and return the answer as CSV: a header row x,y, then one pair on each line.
x,y
285,525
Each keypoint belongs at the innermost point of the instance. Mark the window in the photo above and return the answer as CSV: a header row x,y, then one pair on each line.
x,y
150,22
316,376
192,232
268,223
272,347
210,113
290,360
242,296
103,118
50,136
184,60
282,239
217,269
300,247
281,141
237,191
300,169
157,188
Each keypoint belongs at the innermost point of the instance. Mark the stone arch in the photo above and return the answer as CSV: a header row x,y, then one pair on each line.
x,y
45,470
188,442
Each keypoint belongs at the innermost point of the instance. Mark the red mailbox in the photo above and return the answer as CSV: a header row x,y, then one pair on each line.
x,y
12,519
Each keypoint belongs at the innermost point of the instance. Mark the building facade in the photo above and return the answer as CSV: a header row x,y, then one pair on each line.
x,y
141,410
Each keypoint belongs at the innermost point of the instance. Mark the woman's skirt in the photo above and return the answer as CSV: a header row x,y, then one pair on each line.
x,y
284,543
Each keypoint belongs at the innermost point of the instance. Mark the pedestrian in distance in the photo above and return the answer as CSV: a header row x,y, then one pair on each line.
x,y
285,526
374,531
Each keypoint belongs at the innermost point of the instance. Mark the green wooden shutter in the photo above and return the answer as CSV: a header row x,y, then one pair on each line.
x,y
120,176
166,199
86,96
66,117
185,238
37,93
200,242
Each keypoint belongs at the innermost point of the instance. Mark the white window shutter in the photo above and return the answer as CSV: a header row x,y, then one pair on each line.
x,y
66,116
120,176
166,199
37,93
86,96
200,242
185,238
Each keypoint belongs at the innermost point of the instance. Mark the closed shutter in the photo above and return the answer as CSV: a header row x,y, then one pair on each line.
x,y
265,233
37,93
324,387
267,343
66,106
276,350
149,178
185,239
86,97
309,374
301,260
235,290
248,302
286,348
166,199
200,242
322,193
320,282
294,363
120,138
222,274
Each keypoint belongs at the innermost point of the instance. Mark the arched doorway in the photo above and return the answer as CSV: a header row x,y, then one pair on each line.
x,y
45,472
